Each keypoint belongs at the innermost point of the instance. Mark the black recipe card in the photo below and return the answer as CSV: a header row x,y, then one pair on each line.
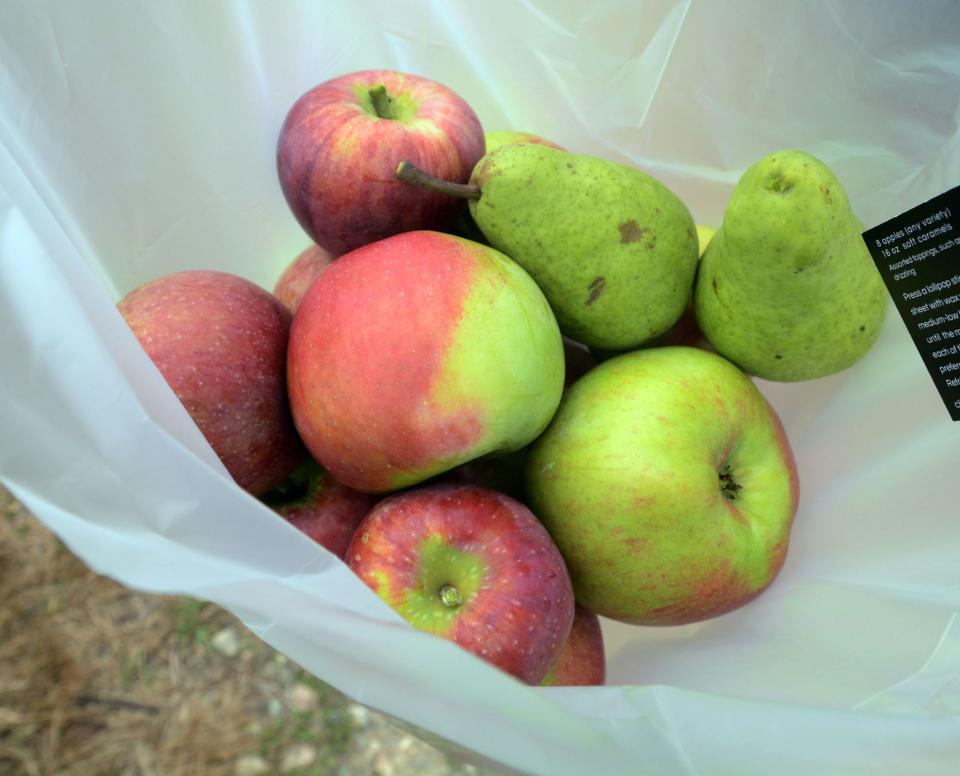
x,y
918,255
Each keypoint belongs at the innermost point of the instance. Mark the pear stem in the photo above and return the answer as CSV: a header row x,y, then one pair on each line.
x,y
414,175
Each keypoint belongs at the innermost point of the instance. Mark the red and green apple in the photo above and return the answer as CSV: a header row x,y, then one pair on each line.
x,y
417,353
473,566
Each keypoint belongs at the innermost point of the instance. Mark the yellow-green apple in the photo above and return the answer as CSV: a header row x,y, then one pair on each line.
x,y
418,353
704,236
669,485
299,275
582,660
315,503
494,140
220,342
340,145
471,565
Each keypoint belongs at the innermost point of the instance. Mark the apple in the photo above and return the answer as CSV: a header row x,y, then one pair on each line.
x,y
669,485
494,140
704,236
417,353
316,504
220,342
504,473
582,660
578,360
473,566
299,276
340,145
686,331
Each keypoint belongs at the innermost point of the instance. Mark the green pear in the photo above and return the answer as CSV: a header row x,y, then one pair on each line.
x,y
612,249
786,288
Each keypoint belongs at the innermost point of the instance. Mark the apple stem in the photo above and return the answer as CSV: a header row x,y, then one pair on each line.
x,y
450,596
382,104
414,175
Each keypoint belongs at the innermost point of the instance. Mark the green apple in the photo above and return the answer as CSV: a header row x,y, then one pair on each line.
x,y
669,485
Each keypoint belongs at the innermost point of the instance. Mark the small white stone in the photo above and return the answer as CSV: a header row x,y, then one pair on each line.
x,y
358,714
383,767
298,756
251,765
302,698
275,708
226,642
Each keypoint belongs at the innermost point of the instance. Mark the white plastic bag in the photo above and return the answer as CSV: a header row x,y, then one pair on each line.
x,y
138,139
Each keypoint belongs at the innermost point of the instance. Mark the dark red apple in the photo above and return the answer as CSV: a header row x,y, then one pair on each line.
x,y
582,660
471,565
299,276
313,502
221,343
340,145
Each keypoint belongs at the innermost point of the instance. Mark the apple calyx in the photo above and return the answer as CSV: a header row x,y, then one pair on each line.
x,y
412,174
729,487
450,596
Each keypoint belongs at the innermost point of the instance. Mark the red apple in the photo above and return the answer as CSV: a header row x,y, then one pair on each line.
x,y
299,276
581,661
221,343
340,145
313,502
473,566
417,353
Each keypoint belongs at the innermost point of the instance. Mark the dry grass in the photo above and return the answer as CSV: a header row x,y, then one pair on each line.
x,y
98,679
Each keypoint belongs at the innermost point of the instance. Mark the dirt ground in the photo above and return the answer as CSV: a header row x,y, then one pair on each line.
x,y
96,679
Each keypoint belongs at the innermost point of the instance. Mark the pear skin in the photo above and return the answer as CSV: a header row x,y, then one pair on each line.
x,y
613,249
786,289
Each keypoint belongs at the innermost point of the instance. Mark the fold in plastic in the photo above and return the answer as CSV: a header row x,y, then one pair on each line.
x,y
138,139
